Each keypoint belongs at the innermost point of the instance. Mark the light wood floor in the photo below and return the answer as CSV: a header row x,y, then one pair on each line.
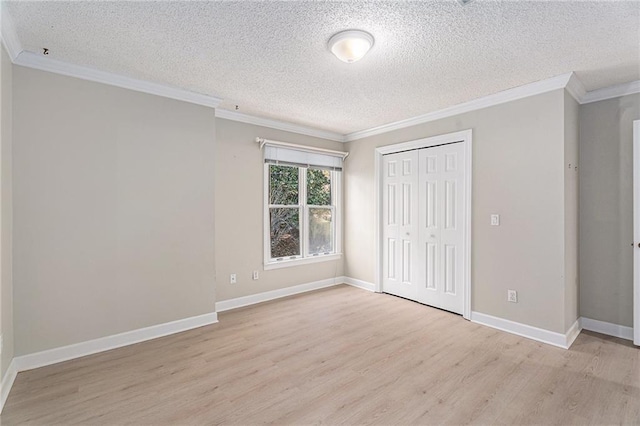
x,y
338,356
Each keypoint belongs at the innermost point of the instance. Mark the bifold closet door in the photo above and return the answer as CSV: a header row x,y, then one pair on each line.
x,y
400,224
423,225
441,220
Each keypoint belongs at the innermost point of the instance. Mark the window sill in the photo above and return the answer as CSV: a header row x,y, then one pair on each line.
x,y
304,261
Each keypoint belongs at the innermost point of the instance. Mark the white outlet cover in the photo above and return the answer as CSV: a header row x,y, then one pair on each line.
x,y
232,279
495,220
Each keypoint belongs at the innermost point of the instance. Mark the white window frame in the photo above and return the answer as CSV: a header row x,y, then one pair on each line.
x,y
304,257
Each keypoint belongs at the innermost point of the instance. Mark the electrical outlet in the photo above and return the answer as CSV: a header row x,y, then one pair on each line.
x,y
232,279
495,220
255,275
512,296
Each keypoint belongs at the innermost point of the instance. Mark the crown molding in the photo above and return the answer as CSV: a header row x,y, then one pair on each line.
x,y
279,125
9,35
576,88
612,92
39,62
31,60
538,87
568,81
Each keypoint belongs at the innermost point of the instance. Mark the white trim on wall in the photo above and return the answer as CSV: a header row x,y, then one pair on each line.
x,y
539,334
43,63
365,285
465,137
7,382
607,328
569,81
573,333
53,356
278,125
65,353
536,88
576,88
266,296
300,261
90,347
9,36
610,92
523,330
240,302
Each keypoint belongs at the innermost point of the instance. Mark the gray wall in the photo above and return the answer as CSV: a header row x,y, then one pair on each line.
x,y
239,213
115,216
113,210
571,126
6,212
606,209
518,172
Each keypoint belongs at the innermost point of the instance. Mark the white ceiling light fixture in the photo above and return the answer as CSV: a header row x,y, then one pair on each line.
x,y
351,45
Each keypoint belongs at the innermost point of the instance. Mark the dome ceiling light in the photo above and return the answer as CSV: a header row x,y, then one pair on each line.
x,y
351,45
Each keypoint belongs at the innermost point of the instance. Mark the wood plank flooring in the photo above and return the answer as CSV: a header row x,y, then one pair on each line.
x,y
338,356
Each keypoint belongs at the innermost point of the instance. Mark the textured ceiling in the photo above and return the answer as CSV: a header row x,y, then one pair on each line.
x,y
271,58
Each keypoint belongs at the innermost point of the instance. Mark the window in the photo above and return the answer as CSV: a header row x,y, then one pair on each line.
x,y
301,210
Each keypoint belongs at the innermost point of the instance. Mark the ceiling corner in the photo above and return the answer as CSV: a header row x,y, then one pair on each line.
x,y
575,88
9,36
44,63
280,125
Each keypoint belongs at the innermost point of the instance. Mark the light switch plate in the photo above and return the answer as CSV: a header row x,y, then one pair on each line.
x,y
495,220
232,279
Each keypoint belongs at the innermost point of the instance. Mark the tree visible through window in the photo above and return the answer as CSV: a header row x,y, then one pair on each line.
x,y
301,212
320,211
284,211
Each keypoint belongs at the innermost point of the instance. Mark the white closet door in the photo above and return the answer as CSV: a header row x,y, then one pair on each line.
x,y
441,222
400,218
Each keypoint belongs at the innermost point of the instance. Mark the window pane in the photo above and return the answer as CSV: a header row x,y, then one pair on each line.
x,y
318,187
283,185
320,231
285,232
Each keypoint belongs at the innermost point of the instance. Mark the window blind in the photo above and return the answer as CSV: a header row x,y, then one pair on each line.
x,y
300,158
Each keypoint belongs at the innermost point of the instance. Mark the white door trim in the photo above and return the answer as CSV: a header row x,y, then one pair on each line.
x,y
464,137
636,232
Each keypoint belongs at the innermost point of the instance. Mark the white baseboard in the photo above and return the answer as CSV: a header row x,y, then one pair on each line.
x,y
65,353
573,332
530,332
7,383
359,283
607,328
252,299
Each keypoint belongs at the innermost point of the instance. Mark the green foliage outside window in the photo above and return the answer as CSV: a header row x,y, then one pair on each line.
x,y
318,187
285,221
283,185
